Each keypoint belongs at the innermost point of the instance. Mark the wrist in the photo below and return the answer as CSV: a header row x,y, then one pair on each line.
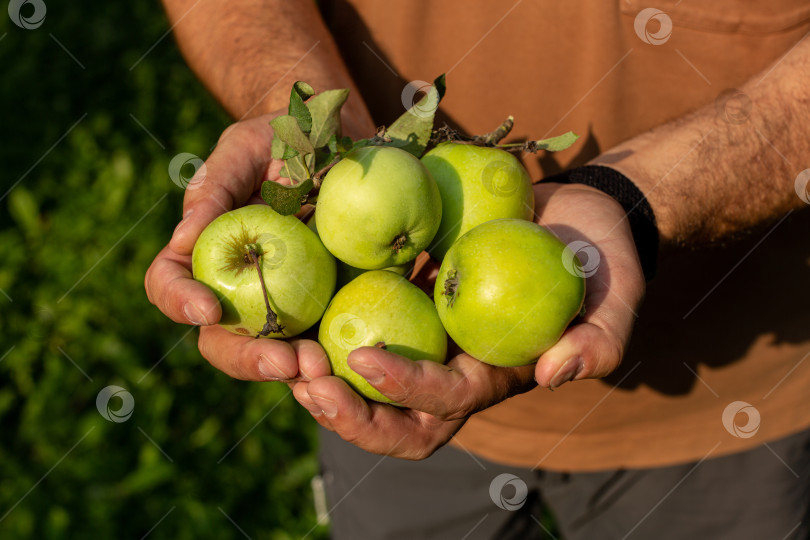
x,y
638,212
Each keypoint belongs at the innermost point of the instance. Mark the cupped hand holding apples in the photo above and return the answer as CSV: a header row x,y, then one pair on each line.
x,y
229,179
434,398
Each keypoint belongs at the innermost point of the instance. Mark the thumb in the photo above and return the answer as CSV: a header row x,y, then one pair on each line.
x,y
585,351
227,179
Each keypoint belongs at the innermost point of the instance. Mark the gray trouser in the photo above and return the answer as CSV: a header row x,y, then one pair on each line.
x,y
763,493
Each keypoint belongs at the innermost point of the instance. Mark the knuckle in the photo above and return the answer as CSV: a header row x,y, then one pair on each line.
x,y
213,354
438,410
432,422
152,280
456,415
611,357
420,452
173,302
352,436
218,193
237,366
158,292
456,412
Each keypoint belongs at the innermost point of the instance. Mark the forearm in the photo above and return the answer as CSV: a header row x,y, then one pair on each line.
x,y
709,178
248,53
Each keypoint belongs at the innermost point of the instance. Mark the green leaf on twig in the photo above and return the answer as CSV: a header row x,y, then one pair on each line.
x,y
280,150
553,144
296,169
286,200
287,129
301,92
412,130
325,109
308,139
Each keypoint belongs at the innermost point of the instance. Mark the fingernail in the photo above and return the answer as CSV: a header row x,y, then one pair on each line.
x,y
567,372
271,370
194,314
328,406
370,372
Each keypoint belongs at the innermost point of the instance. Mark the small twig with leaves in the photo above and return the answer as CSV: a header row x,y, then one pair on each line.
x,y
491,139
310,142
446,133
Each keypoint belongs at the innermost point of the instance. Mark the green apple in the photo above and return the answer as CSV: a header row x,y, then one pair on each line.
x,y
378,207
477,184
380,308
297,270
503,292
346,272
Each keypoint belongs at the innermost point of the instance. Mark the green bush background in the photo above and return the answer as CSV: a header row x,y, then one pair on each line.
x,y
92,204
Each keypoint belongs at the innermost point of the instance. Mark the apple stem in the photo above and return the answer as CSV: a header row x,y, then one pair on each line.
x,y
271,325
317,178
380,345
450,287
380,138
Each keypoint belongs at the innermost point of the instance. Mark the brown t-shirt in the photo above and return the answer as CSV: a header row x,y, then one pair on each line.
x,y
718,325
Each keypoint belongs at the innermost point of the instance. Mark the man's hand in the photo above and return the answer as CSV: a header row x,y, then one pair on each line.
x,y
437,399
230,179
593,346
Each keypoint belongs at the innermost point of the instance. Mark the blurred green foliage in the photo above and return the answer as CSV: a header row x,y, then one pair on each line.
x,y
95,103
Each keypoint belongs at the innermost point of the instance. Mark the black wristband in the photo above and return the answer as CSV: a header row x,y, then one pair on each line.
x,y
639,212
